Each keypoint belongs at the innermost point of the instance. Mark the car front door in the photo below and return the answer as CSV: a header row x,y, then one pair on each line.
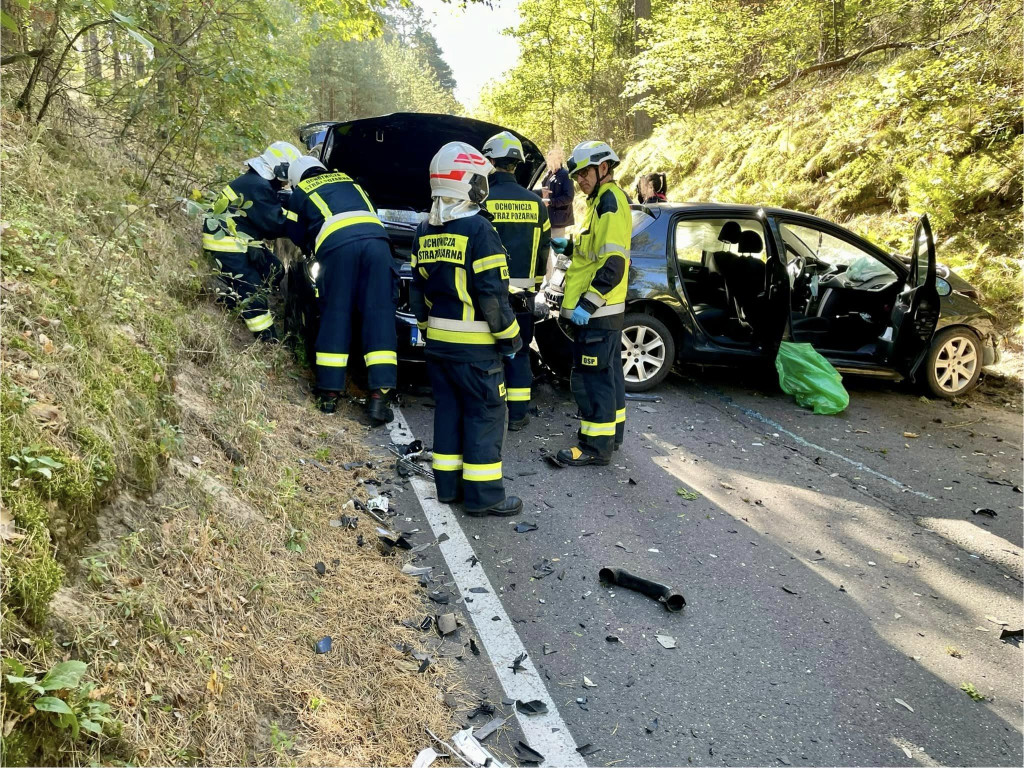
x,y
916,312
774,325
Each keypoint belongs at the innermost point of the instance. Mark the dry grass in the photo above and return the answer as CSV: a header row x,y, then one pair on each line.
x,y
183,584
215,619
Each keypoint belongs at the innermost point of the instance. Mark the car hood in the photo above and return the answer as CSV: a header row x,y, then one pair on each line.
x,y
389,156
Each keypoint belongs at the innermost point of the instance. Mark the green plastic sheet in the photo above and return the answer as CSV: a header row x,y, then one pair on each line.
x,y
810,378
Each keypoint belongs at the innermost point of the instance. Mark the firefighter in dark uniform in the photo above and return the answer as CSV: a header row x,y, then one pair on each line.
x,y
239,244
594,302
521,219
338,224
460,297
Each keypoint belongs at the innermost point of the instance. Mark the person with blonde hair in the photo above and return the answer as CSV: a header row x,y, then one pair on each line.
x,y
557,192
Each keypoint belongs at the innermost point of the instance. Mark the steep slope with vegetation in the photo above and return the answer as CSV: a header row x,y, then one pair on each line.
x,y
865,111
873,148
166,486
162,507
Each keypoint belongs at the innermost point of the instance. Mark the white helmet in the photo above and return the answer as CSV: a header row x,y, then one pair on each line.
x,y
274,162
589,153
300,166
459,171
504,145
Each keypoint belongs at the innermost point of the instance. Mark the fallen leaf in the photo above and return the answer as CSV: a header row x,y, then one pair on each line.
x,y
7,530
900,558
588,683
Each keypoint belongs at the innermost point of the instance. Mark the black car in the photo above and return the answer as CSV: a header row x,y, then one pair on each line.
x,y
389,157
715,284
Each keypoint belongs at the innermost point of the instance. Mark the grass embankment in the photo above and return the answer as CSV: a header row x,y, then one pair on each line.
x,y
873,148
158,524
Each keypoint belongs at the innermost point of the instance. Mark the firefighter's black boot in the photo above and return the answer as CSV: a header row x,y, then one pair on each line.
x,y
327,401
507,507
377,408
515,426
574,457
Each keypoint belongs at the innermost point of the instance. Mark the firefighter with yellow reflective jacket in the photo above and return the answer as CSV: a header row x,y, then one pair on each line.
x,y
521,220
355,279
594,303
241,251
460,298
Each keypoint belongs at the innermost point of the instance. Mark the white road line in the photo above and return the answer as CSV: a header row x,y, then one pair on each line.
x,y
808,444
546,733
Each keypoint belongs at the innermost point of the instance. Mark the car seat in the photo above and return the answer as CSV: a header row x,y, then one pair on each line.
x,y
719,266
745,286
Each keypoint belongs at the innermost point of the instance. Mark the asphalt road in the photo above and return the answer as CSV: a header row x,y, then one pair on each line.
x,y
831,566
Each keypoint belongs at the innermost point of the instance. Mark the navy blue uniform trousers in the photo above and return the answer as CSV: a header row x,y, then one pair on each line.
x,y
247,279
357,278
518,375
469,427
599,387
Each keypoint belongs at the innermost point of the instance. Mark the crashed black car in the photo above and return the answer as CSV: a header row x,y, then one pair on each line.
x,y
389,158
715,284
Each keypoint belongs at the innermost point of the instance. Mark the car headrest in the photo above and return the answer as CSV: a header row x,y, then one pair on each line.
x,y
749,242
730,232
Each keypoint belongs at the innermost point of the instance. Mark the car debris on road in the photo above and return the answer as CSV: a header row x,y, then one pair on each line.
x,y
666,595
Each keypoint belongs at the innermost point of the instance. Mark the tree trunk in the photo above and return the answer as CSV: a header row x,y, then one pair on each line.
x,y
93,66
642,123
24,102
115,55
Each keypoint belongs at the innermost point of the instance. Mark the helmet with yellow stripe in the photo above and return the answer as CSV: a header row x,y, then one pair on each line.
x,y
273,163
588,153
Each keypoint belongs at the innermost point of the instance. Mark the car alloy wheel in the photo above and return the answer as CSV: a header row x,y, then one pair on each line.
x,y
956,364
644,354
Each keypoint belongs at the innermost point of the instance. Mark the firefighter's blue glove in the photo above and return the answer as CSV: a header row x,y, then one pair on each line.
x,y
559,244
580,316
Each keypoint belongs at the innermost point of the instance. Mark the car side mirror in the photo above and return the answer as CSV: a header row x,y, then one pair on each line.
x,y
943,287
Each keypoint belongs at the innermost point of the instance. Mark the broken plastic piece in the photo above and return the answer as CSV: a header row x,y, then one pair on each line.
x,y
416,570
320,568
525,527
487,729
673,600
652,726
535,707
587,750
666,641
472,751
425,758
985,511
527,754
473,648
517,663
551,459
378,504
1012,636
323,645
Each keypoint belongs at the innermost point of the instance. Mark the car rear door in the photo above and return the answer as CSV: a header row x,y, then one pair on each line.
x,y
916,312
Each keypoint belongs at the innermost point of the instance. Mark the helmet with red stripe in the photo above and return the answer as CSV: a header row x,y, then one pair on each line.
x,y
459,171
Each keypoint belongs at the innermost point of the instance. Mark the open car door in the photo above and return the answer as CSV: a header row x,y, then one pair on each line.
x,y
774,324
916,311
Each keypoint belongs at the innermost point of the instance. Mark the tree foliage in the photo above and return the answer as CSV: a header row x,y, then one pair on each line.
x,y
189,88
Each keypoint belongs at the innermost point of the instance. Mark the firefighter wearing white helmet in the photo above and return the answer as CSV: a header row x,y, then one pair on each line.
x,y
594,303
460,298
239,236
521,219
337,225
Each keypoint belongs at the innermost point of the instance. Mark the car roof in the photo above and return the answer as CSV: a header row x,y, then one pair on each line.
x,y
734,209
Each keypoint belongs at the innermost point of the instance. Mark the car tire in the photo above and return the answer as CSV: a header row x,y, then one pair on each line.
x,y
301,323
953,364
648,351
